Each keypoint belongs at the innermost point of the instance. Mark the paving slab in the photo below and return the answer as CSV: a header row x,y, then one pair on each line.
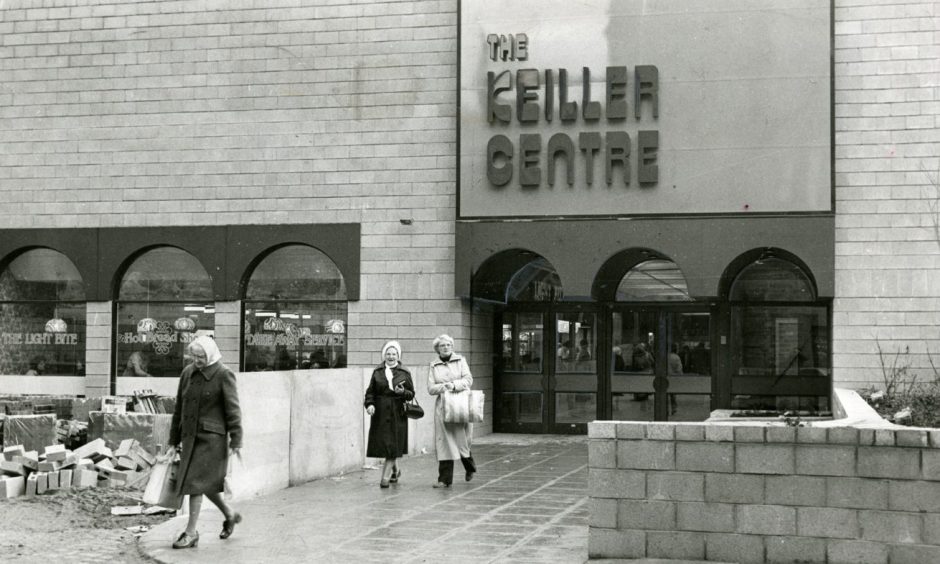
x,y
527,504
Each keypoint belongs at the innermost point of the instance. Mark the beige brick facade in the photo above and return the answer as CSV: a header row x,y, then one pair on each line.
x,y
887,162
300,112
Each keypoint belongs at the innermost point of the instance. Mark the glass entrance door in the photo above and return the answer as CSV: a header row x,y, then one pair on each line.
x,y
660,365
547,375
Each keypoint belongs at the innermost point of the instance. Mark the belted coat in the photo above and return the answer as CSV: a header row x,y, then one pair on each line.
x,y
451,440
206,422
388,430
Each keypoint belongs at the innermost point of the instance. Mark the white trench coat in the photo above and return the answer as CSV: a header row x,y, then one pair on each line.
x,y
451,440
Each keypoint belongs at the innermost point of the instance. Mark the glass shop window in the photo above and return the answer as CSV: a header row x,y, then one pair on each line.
x,y
42,316
779,339
164,302
295,312
654,281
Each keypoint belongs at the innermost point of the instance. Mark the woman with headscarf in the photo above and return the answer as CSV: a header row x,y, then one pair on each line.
x,y
389,388
205,430
450,373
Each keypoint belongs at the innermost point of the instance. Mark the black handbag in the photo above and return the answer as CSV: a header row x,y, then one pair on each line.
x,y
413,409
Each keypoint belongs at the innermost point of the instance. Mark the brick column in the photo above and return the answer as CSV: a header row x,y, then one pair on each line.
x,y
227,331
98,348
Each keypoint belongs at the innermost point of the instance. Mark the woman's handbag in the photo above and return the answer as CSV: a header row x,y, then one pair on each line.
x,y
161,488
413,409
465,406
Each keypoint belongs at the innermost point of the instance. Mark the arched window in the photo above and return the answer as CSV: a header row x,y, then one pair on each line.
x,y
295,312
779,339
165,300
535,281
42,316
653,281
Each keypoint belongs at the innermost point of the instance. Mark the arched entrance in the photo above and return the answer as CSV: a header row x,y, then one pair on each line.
x,y
660,341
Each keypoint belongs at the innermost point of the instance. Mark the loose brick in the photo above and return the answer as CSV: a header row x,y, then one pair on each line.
x,y
825,460
787,550
764,459
675,486
795,490
605,483
734,488
857,552
42,482
857,493
12,451
646,455
887,462
643,514
12,486
827,522
608,543
705,517
705,457
65,479
675,545
742,549
766,520
890,526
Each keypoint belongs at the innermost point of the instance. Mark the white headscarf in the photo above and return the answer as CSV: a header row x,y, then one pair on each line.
x,y
208,344
388,369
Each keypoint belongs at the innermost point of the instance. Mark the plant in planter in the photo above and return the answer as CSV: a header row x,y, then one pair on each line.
x,y
903,400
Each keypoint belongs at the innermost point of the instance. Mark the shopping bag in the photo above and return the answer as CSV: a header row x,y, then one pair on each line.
x,y
229,485
465,406
161,488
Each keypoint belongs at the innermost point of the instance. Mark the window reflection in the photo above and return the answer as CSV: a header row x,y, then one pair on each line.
x,y
165,301
295,312
42,316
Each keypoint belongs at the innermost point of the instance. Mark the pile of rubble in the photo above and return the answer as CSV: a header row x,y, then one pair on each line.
x,y
60,443
91,465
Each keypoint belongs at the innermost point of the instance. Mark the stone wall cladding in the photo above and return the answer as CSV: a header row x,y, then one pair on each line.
x,y
157,113
887,163
872,500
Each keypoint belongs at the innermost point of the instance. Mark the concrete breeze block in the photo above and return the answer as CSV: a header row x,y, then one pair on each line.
x,y
734,488
675,545
859,493
705,517
705,457
764,459
646,455
891,526
742,549
856,552
827,522
766,520
795,490
644,514
613,483
675,486
828,460
916,495
602,453
619,543
786,550
887,462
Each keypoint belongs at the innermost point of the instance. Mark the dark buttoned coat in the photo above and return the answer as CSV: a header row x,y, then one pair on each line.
x,y
206,422
388,430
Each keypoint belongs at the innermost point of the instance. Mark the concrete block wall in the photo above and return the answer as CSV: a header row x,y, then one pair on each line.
x,y
759,494
887,187
131,113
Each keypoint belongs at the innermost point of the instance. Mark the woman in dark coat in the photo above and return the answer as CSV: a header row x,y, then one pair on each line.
x,y
389,388
206,428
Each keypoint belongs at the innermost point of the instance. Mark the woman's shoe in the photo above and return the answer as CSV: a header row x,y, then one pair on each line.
x,y
395,474
187,541
469,475
383,484
228,527
440,485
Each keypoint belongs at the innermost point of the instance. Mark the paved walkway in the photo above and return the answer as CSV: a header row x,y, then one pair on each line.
x,y
527,504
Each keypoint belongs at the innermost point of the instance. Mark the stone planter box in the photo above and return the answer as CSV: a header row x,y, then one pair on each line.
x,y
855,489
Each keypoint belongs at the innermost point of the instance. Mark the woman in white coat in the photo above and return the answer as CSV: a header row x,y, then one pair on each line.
x,y
450,373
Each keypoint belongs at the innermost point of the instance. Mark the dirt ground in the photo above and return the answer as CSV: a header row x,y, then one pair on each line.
x,y
74,525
